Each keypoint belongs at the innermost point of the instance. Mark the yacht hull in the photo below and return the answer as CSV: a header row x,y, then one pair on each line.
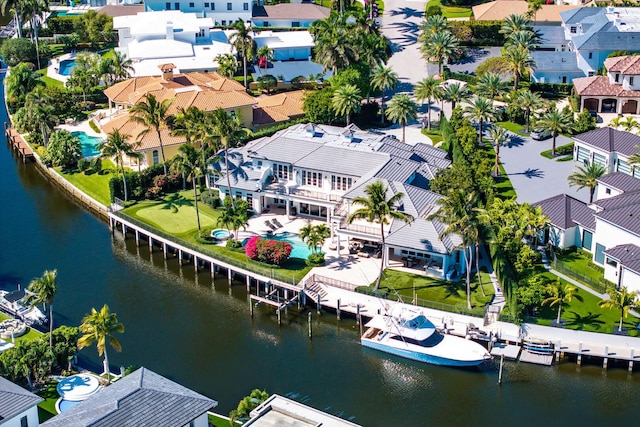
x,y
419,356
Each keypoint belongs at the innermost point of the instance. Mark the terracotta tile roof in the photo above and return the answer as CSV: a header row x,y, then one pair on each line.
x,y
600,86
501,9
623,64
279,108
132,129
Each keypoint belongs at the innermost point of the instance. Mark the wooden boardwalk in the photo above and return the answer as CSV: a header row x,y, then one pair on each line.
x,y
18,143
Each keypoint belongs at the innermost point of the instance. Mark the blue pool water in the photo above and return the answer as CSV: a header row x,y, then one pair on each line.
x,y
66,67
220,234
66,404
89,143
299,248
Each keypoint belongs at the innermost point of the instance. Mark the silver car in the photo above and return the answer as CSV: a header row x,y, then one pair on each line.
x,y
539,135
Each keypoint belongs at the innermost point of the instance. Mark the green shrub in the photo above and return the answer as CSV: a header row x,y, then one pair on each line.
x,y
478,33
315,259
204,236
96,164
595,267
94,126
606,284
83,164
62,24
211,199
233,244
552,90
434,9
15,51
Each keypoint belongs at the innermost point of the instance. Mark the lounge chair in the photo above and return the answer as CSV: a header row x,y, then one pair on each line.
x,y
268,224
276,223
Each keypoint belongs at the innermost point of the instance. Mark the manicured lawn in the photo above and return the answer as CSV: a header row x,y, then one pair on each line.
x,y
95,185
586,315
31,334
216,420
513,127
503,185
451,11
47,408
441,293
175,214
434,135
48,80
579,262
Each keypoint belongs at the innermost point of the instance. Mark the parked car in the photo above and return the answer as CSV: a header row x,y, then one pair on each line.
x,y
539,135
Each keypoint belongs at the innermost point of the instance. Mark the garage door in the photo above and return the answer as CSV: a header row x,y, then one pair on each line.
x,y
599,159
583,155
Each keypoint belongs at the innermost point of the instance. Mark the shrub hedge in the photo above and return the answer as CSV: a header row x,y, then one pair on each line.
x,y
478,33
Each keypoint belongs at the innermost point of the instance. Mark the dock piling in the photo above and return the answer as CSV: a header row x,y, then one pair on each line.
x,y
137,238
579,354
338,309
310,327
606,357
248,284
500,374
251,306
631,360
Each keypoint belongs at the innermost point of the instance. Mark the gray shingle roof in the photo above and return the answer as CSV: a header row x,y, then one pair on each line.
x,y
142,398
628,255
555,61
564,212
575,16
622,211
620,181
610,140
343,161
14,400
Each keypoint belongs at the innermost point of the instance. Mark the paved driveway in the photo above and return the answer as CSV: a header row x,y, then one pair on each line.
x,y
400,23
535,177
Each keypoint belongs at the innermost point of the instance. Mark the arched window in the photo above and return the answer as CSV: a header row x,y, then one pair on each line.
x,y
155,159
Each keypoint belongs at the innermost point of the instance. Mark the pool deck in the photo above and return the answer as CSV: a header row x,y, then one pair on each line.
x,y
54,67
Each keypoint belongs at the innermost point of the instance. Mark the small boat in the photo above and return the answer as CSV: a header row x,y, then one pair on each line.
x,y
408,333
11,303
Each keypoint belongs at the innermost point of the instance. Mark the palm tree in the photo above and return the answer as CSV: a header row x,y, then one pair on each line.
x,y
40,108
519,62
314,235
490,85
428,89
17,7
228,129
243,43
99,327
189,163
480,110
533,7
41,291
121,66
620,299
116,146
154,115
587,177
458,212
634,159
528,101
20,81
515,23
382,79
555,122
523,38
346,100
629,123
499,136
402,109
455,93
375,207
267,53
561,295
439,46
227,64
434,24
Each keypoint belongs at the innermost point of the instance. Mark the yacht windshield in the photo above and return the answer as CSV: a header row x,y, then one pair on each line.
x,y
433,340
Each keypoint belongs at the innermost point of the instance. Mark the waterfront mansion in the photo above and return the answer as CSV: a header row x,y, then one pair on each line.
x,y
315,171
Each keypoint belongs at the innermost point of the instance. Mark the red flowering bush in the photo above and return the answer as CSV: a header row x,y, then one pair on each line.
x,y
270,251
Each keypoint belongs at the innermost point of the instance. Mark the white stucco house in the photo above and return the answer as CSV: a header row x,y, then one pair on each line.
x,y
221,12
288,15
315,171
18,407
609,228
183,39
590,34
607,147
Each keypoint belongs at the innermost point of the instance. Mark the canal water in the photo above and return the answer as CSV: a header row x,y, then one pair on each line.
x,y
200,334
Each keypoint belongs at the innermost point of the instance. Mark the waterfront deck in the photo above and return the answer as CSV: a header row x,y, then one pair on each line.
x,y
18,143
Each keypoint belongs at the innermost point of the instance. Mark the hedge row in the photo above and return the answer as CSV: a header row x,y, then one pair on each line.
x,y
478,33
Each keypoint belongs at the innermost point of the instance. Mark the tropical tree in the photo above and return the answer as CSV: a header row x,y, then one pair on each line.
x,y
227,129
555,122
587,176
153,114
375,207
40,111
99,327
15,6
63,150
227,64
528,101
533,7
479,111
514,23
116,146
458,212
116,67
314,235
189,163
561,294
455,93
20,81
434,24
634,159
346,100
620,299
428,89
499,136
519,62
41,291
243,43
490,85
402,109
267,53
382,79
439,47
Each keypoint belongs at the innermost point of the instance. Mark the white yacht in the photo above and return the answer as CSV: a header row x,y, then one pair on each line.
x,y
408,333
11,303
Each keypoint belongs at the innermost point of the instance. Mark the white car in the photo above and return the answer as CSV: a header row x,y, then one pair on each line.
x,y
539,135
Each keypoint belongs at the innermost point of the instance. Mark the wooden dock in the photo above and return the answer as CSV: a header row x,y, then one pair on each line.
x,y
536,358
509,351
18,143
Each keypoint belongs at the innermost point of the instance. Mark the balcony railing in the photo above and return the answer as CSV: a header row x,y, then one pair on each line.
x,y
364,229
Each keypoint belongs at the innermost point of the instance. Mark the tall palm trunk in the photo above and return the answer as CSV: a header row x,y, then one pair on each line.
x,y
382,257
516,81
528,114
124,179
106,361
50,326
381,107
592,191
429,116
497,159
621,317
468,261
226,164
195,198
478,268
164,162
403,129
35,35
244,67
559,312
553,146
480,132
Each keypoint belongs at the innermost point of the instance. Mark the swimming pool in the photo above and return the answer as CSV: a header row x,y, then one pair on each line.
x,y
299,249
66,67
89,143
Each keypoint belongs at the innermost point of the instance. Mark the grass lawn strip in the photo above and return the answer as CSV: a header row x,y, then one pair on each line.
x,y
30,335
47,408
176,214
586,315
451,11
503,185
217,420
579,261
95,185
563,153
513,127
434,135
